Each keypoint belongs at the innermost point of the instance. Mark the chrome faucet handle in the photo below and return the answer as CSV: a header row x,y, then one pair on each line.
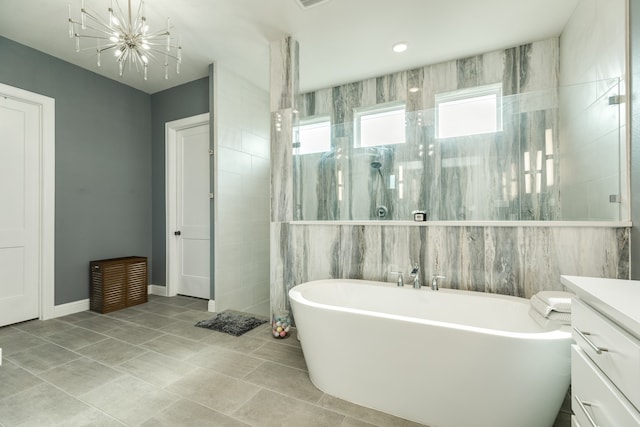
x,y
415,270
400,278
434,281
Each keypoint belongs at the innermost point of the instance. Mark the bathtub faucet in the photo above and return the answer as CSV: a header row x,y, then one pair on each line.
x,y
415,273
434,281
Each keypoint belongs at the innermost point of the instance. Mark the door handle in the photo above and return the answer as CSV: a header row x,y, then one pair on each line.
x,y
177,233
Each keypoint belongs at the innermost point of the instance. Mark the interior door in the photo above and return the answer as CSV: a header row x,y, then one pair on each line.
x,y
193,204
19,211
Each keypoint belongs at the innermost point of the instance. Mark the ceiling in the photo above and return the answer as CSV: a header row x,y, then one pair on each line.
x,y
340,40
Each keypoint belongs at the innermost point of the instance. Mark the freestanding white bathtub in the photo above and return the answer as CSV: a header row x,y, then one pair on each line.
x,y
442,358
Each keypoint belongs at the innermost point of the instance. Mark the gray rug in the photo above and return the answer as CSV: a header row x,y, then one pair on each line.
x,y
231,323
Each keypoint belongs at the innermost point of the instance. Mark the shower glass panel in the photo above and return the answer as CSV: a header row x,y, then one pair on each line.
x,y
555,156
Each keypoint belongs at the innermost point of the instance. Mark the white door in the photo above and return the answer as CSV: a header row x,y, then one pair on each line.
x,y
192,211
19,210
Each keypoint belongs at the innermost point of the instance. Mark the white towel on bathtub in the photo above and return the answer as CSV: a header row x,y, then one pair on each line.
x,y
552,319
546,302
557,300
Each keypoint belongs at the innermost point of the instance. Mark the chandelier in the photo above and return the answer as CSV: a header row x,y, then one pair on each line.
x,y
127,36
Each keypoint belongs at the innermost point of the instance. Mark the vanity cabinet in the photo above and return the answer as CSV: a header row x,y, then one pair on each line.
x,y
605,359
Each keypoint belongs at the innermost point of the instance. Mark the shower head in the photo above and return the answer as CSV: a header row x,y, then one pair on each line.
x,y
376,164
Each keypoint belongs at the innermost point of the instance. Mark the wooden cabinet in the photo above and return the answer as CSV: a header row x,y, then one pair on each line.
x,y
118,283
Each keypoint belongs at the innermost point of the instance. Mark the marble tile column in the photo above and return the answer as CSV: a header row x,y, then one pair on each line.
x,y
284,90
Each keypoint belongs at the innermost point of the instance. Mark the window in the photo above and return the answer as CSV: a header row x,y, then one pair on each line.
x,y
314,135
380,125
467,112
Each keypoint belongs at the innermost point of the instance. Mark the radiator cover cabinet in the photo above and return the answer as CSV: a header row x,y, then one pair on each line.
x,y
118,283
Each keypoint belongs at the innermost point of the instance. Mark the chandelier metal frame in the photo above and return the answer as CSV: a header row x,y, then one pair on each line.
x,y
127,35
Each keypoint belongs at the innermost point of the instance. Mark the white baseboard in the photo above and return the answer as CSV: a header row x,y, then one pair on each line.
x,y
211,306
70,308
157,290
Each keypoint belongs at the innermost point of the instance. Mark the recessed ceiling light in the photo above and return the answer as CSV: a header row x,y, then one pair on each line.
x,y
400,47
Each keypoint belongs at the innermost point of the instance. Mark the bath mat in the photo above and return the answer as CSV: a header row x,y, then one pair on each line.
x,y
231,323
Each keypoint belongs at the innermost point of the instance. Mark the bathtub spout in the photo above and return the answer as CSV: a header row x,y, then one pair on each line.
x,y
400,281
434,281
415,273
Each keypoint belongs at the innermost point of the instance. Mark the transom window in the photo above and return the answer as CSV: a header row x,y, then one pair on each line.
x,y
314,135
467,112
380,125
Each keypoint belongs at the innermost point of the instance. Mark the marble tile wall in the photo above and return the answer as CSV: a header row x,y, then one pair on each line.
x,y
513,260
516,261
454,178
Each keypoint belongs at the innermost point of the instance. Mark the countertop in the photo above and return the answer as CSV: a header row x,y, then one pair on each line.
x,y
617,299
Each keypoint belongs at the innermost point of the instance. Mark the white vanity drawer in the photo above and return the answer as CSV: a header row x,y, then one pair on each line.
x,y
612,349
594,400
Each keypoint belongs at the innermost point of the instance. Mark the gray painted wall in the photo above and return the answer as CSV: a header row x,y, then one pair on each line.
x,y
103,163
634,54
183,101
109,162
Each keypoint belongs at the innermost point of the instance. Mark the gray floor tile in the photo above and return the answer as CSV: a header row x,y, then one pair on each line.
x,y
156,369
137,367
100,323
14,379
76,317
186,330
352,422
189,414
80,376
17,342
151,320
173,346
125,313
283,379
133,333
42,405
243,343
364,414
5,331
43,357
43,327
168,310
91,418
129,399
270,409
111,351
226,362
216,391
194,316
75,338
283,354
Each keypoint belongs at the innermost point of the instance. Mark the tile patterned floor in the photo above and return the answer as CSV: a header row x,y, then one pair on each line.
x,y
149,366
